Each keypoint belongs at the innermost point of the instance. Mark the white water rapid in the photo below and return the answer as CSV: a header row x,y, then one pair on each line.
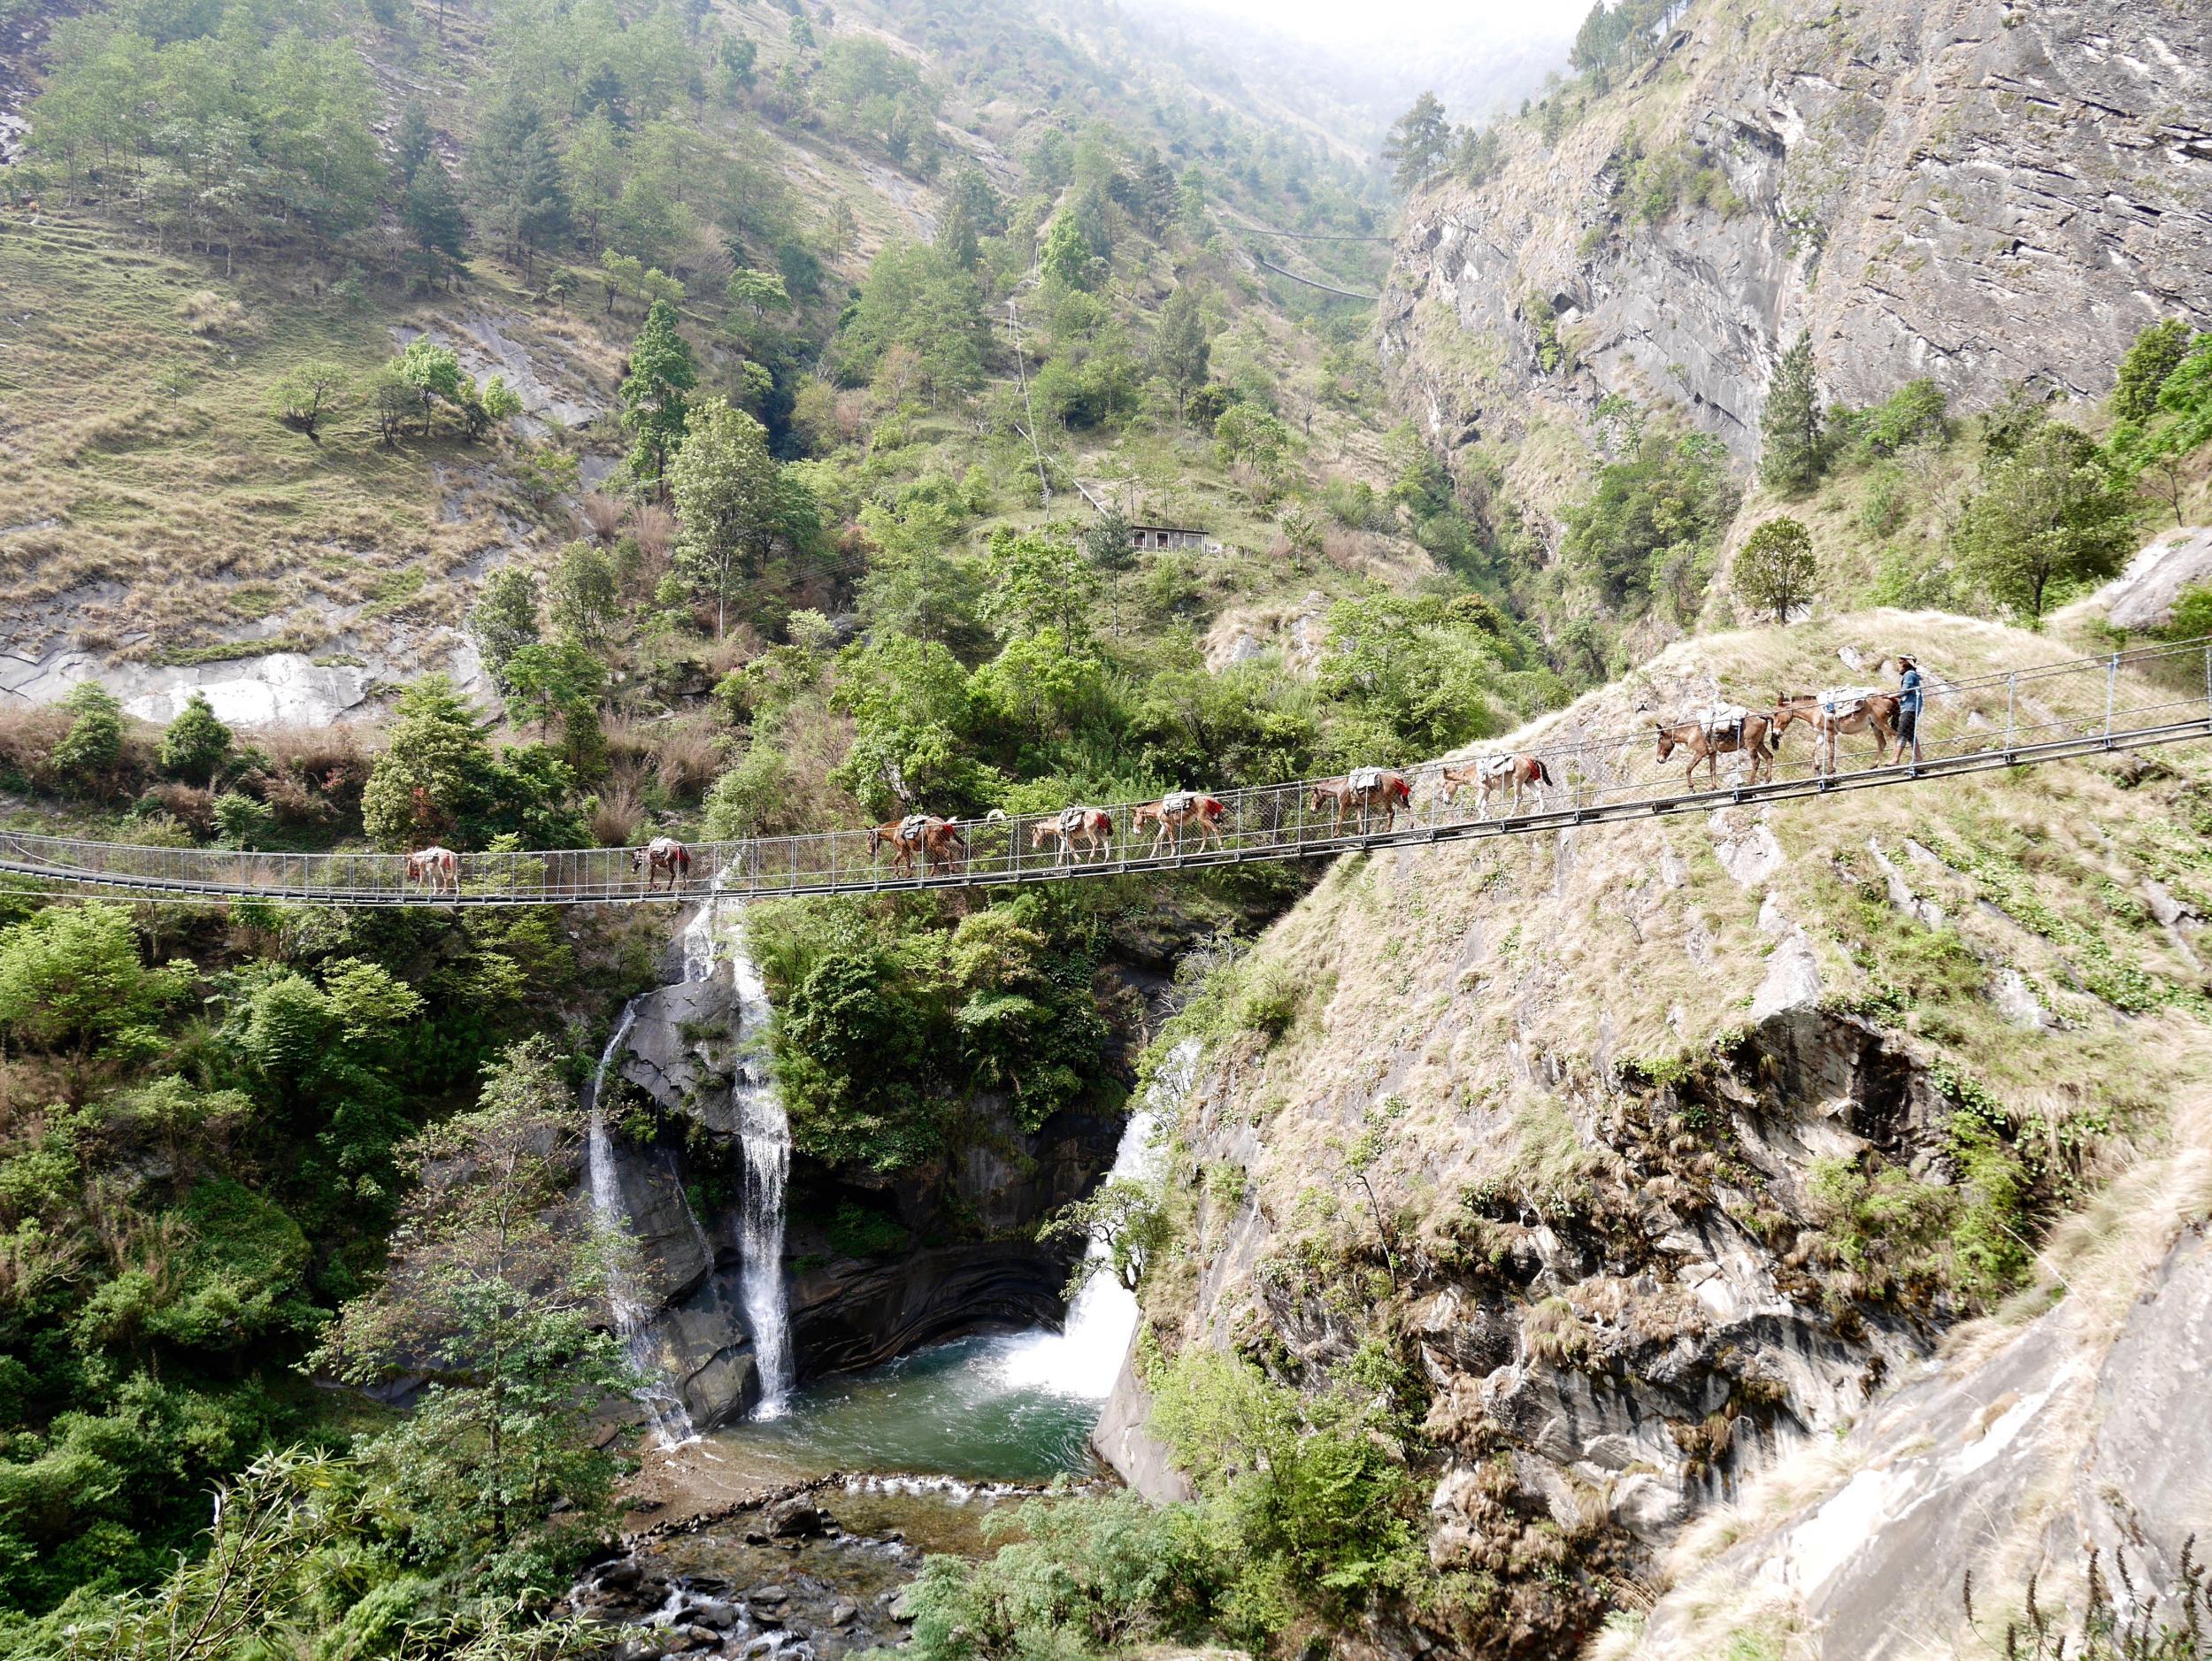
x,y
672,1420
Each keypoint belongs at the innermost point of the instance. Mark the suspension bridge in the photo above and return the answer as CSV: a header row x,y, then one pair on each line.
x,y
2127,701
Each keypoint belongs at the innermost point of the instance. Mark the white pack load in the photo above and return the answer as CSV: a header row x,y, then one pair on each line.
x,y
910,828
1363,780
1723,718
1494,766
1071,820
1178,800
1847,699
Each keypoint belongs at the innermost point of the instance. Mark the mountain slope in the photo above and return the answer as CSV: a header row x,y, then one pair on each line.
x,y
1970,190
1651,1150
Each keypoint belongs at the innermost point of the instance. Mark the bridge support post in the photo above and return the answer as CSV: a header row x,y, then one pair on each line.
x,y
2111,692
2012,703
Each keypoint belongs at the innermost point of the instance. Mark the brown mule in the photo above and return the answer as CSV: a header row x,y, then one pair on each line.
x,y
1092,827
1748,733
937,841
1370,790
1490,774
1173,812
1832,718
662,854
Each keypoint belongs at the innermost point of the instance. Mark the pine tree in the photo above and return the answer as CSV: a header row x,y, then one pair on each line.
x,y
654,404
1418,145
957,239
516,180
1789,431
1182,346
431,213
413,141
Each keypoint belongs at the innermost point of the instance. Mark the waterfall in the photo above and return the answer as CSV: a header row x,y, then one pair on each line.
x,y
672,1420
765,1138
765,1133
1083,1356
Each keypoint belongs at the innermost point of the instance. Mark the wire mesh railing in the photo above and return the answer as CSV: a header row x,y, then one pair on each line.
x,y
2129,699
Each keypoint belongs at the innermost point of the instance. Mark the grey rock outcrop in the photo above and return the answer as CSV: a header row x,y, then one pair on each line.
x,y
2064,1444
1977,191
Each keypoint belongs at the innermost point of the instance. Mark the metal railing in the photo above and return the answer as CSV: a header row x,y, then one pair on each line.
x,y
2123,701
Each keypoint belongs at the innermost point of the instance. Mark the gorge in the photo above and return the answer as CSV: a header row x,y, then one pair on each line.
x,y
560,448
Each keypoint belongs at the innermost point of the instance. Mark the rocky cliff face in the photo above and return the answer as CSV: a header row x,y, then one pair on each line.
x,y
1974,190
1660,1150
974,1267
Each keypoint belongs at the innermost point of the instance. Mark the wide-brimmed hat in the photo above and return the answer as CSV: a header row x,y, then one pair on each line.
x,y
1906,663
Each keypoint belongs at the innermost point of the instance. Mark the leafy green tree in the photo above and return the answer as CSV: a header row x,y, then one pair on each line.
x,y
514,176
2185,398
655,394
433,373
195,743
1918,411
495,403
1790,454
1066,256
504,618
971,193
495,1293
1418,145
1247,435
1039,583
560,679
725,486
758,292
391,400
917,583
619,275
71,985
915,297
436,774
1182,345
585,597
1126,1218
2157,450
1663,507
1775,568
1423,673
915,725
89,749
2157,352
592,162
432,214
311,392
2050,517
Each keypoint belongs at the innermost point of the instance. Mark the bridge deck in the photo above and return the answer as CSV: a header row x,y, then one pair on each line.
x,y
2130,700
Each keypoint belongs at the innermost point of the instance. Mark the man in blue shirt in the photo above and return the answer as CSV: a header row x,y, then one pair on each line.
x,y
1909,695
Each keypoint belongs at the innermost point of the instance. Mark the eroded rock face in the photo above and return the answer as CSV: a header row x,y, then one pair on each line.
x,y
2065,1437
1976,191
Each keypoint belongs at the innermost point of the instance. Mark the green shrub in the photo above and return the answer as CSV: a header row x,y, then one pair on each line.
x,y
858,1231
94,743
195,743
241,821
